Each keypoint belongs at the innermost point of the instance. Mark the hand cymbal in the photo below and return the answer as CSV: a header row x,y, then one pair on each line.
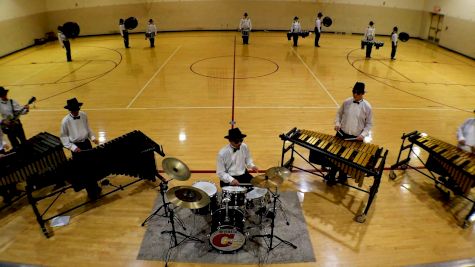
x,y
176,169
278,171
188,197
265,181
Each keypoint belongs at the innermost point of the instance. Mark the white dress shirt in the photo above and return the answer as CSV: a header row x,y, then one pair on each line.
x,y
394,38
6,108
73,131
355,119
466,132
2,143
62,38
122,29
230,163
295,27
245,24
152,30
318,25
369,33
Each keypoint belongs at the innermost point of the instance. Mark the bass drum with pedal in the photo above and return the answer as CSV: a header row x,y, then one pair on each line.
x,y
227,230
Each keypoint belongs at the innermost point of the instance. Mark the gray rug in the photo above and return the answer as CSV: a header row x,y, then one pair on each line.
x,y
155,245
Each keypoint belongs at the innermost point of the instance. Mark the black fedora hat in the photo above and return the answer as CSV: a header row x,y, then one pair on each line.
x,y
235,134
3,91
72,104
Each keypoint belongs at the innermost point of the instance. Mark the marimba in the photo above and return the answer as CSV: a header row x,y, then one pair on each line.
x,y
357,159
456,166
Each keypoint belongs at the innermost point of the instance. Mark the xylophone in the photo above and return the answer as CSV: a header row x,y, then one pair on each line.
x,y
456,166
357,159
42,162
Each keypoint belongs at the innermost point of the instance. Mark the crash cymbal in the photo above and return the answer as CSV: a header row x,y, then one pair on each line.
x,y
176,169
278,171
188,197
265,181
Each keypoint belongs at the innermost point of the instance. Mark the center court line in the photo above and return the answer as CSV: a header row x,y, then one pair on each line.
x,y
315,77
155,74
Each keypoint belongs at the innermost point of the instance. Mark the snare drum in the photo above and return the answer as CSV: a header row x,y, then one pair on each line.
x,y
227,230
236,194
210,189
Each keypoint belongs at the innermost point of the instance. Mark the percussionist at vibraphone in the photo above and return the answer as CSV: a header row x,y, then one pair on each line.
x,y
353,122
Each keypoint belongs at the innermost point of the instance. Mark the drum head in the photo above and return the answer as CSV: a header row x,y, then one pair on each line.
x,y
131,23
404,37
227,239
234,189
209,187
257,192
71,29
327,21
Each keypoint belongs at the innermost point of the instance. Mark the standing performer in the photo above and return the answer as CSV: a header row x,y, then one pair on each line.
x,y
466,135
234,159
245,26
295,29
394,37
64,42
318,28
124,33
151,32
75,136
369,38
11,124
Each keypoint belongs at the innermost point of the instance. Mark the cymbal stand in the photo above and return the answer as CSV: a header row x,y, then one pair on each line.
x,y
271,236
281,207
166,209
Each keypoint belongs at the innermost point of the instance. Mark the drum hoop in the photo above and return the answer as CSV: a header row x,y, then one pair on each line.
x,y
236,189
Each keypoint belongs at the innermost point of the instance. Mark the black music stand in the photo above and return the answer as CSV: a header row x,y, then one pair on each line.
x,y
271,236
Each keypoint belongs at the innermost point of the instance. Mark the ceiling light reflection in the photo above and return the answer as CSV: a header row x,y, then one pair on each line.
x,y
182,136
102,137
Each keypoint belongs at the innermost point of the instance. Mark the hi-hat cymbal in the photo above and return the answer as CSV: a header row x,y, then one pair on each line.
x,y
176,169
188,197
265,181
278,171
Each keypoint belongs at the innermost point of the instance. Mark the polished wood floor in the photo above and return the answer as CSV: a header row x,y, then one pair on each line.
x,y
181,93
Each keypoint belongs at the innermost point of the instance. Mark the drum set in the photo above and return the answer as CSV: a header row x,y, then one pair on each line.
x,y
229,213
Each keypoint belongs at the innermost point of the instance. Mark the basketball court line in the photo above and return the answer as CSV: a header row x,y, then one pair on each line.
x,y
315,77
153,77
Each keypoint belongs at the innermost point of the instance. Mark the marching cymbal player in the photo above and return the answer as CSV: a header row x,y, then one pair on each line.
x,y
234,159
466,135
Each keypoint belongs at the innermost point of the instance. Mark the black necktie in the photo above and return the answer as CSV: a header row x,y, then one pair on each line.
x,y
235,149
357,102
76,118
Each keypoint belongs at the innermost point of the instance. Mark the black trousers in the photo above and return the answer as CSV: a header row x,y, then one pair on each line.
x,y
244,178
67,46
126,39
92,188
245,37
393,50
317,37
16,135
295,38
369,47
152,42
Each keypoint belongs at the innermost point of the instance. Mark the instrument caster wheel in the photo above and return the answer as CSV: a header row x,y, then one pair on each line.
x,y
360,218
392,175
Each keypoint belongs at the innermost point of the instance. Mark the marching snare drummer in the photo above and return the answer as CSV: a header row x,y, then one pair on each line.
x,y
234,159
151,32
295,29
466,135
369,38
245,27
124,33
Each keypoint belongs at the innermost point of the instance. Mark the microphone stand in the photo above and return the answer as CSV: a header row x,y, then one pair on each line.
x,y
271,236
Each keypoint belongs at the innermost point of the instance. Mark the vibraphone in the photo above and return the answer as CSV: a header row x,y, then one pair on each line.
x,y
456,167
357,159
376,44
42,163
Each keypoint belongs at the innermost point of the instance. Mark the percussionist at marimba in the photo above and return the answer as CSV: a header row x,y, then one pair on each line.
x,y
466,135
234,159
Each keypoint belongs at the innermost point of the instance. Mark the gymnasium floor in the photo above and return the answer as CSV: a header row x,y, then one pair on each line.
x,y
181,95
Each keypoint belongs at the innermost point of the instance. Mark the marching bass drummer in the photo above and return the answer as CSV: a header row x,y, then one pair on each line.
x,y
234,159
124,33
245,26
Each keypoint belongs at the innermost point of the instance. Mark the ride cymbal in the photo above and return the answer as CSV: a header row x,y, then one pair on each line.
x,y
188,197
278,171
176,169
265,181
